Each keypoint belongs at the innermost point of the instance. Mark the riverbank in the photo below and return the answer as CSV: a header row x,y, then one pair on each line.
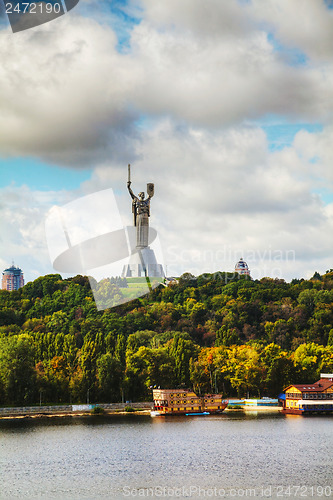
x,y
72,415
74,410
136,409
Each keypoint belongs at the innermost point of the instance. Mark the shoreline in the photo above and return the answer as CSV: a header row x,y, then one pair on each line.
x,y
106,413
41,415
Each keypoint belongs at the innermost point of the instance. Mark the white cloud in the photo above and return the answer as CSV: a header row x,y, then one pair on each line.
x,y
22,234
306,25
316,151
68,96
217,81
63,92
212,19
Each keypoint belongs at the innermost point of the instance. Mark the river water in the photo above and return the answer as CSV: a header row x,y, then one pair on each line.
x,y
233,455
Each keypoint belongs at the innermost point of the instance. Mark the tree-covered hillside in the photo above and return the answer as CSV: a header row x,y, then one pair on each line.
x,y
214,332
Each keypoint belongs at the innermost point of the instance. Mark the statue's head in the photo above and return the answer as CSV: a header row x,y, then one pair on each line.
x,y
142,196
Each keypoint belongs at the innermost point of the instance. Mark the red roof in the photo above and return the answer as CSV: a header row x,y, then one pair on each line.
x,y
322,385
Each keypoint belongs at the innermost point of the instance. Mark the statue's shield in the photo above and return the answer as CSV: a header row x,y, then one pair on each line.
x,y
150,189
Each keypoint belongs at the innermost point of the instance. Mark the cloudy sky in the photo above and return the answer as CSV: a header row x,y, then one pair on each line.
x,y
226,105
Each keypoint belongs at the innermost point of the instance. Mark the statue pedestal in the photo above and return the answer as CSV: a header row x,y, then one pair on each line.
x,y
143,263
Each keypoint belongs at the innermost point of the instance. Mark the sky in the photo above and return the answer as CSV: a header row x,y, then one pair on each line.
x,y
226,106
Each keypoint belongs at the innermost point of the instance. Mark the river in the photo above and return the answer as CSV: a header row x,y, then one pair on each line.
x,y
233,455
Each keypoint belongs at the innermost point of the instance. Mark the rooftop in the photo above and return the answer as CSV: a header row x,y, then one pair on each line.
x,y
13,270
241,267
242,263
319,386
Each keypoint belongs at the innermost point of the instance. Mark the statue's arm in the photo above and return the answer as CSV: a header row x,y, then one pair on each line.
x,y
130,191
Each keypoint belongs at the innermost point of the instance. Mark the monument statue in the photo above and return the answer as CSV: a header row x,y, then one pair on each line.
x,y
141,212
142,262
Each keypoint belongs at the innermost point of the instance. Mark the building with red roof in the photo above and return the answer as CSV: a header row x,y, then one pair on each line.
x,y
301,399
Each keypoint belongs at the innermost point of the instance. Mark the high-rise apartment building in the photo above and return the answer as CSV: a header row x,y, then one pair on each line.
x,y
12,278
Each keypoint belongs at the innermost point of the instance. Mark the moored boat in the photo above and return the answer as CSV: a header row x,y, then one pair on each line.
x,y
186,402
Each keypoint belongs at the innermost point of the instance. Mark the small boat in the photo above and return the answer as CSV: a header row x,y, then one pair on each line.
x,y
202,413
154,413
186,402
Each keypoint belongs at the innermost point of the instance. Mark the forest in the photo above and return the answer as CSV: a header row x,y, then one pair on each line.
x,y
215,332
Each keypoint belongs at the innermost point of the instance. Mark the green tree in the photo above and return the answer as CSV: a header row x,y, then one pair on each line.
x,y
307,359
110,377
245,371
17,373
182,349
